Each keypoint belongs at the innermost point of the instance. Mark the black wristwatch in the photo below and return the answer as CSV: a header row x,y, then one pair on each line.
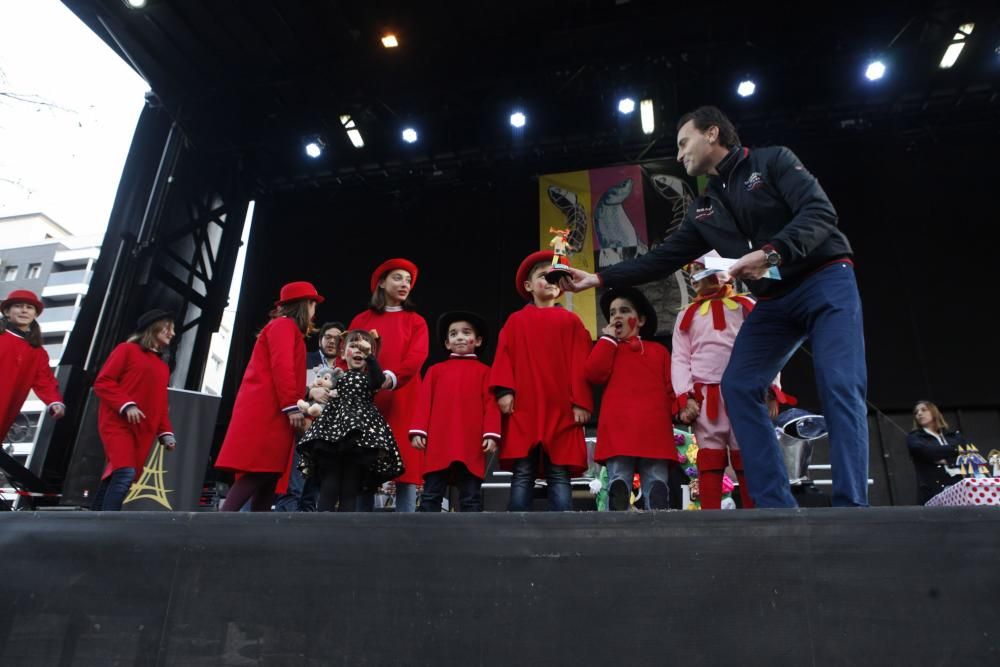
x,y
772,256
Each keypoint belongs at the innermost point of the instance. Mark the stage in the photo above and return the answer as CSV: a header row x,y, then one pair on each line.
x,y
913,586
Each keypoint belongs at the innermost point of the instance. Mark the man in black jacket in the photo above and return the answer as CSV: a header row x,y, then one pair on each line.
x,y
765,209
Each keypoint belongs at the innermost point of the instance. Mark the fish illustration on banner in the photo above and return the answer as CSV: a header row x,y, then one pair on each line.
x,y
614,214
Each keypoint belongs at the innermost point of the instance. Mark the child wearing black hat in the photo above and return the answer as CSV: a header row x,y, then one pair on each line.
x,y
635,430
132,389
456,421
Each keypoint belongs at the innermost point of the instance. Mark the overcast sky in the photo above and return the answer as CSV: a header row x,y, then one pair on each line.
x,y
64,160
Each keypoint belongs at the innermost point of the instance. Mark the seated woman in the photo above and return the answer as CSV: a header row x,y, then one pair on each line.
x,y
932,447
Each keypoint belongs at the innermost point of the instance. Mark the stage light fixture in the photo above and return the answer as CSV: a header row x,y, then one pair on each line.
x,y
646,116
746,88
315,146
409,135
389,41
518,119
135,4
875,70
626,105
957,44
353,133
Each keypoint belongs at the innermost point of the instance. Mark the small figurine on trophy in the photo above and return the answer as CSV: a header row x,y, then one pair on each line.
x,y
560,259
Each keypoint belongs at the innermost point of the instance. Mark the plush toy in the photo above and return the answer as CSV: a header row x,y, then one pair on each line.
x,y
326,378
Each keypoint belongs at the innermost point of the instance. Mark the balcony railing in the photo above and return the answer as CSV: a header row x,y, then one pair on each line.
x,y
58,314
70,278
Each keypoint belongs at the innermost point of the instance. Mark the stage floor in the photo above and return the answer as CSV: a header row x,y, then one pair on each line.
x,y
885,586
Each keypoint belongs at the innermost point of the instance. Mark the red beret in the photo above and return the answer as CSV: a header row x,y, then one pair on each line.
x,y
525,268
391,265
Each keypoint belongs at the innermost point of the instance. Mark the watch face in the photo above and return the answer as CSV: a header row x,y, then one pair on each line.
x,y
773,258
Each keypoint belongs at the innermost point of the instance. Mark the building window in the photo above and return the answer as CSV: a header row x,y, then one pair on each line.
x,y
34,271
10,273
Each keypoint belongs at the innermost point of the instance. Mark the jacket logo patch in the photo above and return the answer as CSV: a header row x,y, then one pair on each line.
x,y
704,212
755,182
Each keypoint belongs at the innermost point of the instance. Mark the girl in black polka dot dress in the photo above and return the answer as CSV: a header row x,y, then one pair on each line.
x,y
350,442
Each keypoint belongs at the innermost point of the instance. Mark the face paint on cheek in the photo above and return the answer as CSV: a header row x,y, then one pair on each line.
x,y
632,321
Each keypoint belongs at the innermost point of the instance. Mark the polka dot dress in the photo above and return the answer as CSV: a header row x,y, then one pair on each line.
x,y
350,419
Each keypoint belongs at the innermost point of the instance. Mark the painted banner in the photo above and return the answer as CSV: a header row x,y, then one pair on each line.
x,y
615,214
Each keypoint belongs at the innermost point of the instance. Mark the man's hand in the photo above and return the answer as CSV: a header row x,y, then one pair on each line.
x,y
752,266
418,441
57,411
506,404
580,416
388,383
134,415
489,445
578,280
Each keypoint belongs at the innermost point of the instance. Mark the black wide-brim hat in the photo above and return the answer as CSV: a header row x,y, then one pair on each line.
x,y
152,316
637,299
477,322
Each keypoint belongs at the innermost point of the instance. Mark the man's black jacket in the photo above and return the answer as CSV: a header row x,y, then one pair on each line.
x,y
761,196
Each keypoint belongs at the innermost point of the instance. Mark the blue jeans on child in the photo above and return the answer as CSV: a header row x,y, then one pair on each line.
x,y
650,471
112,490
522,484
470,495
302,494
406,497
826,309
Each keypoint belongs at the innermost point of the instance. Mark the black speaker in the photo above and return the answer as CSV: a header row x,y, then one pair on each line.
x,y
170,480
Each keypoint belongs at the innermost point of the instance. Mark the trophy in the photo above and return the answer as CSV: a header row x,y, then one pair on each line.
x,y
560,260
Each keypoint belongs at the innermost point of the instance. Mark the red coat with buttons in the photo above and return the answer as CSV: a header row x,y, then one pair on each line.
x,y
260,437
637,406
132,375
23,368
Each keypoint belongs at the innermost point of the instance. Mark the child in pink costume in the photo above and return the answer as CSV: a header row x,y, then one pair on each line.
x,y
703,341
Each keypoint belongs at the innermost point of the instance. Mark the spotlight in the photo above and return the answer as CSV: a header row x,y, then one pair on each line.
x,y
409,135
626,105
314,147
957,44
135,4
518,119
389,41
353,133
875,70
746,88
646,116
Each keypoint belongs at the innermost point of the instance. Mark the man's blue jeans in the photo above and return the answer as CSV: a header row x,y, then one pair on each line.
x,y
826,310
522,484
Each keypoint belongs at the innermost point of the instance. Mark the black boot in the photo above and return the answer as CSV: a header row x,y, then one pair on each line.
x,y
618,496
